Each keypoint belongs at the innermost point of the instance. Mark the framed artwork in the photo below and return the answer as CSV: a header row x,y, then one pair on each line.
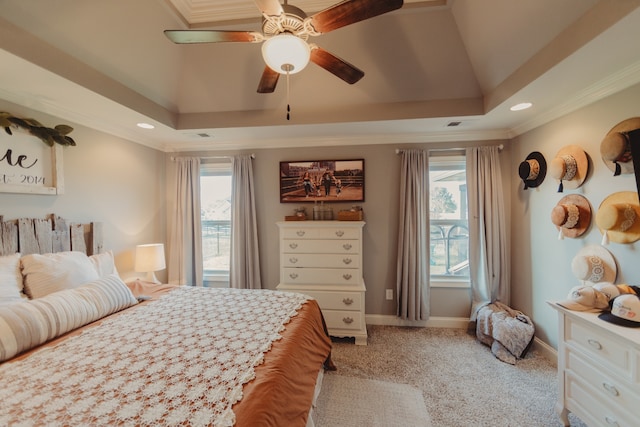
x,y
27,165
322,180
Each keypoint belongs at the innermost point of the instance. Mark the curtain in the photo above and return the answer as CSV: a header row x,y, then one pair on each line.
x,y
488,252
244,272
185,241
413,237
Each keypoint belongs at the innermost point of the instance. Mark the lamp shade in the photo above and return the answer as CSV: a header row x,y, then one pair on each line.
x,y
149,259
286,53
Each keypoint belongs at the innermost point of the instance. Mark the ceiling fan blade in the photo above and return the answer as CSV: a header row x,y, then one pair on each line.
x,y
212,36
335,65
268,81
270,7
350,12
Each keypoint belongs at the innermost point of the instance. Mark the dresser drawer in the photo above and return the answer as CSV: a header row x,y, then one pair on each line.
x,y
351,301
320,246
335,276
611,389
321,260
340,233
338,319
593,410
596,343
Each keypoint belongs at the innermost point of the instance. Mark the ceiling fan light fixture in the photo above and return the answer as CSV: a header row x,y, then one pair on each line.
x,y
286,53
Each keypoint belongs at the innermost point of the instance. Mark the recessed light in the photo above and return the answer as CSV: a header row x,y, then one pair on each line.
x,y
146,126
521,106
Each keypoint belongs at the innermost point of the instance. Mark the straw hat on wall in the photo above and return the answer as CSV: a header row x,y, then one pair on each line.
x,y
570,167
618,217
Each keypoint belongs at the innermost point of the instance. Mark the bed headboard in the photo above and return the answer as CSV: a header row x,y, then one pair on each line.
x,y
53,234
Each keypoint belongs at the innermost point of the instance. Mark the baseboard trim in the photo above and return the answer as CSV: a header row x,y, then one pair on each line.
x,y
548,352
433,322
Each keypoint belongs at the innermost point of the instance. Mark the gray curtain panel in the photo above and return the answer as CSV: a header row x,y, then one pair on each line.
x,y
185,240
244,272
412,283
489,267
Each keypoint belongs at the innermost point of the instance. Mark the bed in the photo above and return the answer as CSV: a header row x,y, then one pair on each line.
x,y
78,346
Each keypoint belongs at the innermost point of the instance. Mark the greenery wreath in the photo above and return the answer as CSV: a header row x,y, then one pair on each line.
x,y
49,136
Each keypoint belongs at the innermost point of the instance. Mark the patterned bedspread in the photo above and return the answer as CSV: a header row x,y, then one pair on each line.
x,y
180,360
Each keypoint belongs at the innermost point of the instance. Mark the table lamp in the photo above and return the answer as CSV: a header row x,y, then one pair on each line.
x,y
149,259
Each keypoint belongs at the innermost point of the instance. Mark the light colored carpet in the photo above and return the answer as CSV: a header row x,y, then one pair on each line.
x,y
462,382
356,402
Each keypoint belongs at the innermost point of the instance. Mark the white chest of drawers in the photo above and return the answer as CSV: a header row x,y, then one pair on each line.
x,y
598,370
323,259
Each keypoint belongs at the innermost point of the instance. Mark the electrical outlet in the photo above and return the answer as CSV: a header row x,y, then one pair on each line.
x,y
389,293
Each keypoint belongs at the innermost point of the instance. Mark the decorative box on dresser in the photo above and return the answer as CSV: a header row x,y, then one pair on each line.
x,y
323,259
598,370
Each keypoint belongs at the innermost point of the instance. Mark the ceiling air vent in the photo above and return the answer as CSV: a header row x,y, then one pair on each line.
x,y
453,124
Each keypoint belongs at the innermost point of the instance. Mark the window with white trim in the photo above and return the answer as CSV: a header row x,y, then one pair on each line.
x,y
215,203
448,221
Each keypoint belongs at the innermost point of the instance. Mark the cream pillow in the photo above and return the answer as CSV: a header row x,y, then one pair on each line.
x,y
33,322
10,279
47,273
104,263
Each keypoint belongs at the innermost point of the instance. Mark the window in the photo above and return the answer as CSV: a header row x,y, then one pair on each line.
x,y
215,200
449,226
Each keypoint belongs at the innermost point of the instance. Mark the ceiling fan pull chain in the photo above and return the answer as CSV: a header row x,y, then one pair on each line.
x,y
288,105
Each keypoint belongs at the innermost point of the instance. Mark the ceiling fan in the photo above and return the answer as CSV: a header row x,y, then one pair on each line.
x,y
285,31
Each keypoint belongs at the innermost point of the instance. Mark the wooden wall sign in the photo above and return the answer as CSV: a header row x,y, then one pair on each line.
x,y
27,165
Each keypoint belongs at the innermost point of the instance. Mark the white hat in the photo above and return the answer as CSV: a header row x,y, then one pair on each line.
x,y
585,298
625,311
593,264
609,289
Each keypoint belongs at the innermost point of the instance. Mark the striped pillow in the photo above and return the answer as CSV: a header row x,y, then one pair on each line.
x,y
31,323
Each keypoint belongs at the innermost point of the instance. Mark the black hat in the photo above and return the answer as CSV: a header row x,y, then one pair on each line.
x,y
533,170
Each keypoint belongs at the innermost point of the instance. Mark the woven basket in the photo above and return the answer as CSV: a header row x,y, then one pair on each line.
x,y
350,215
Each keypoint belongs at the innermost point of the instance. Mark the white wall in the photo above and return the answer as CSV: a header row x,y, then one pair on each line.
x,y
106,179
541,265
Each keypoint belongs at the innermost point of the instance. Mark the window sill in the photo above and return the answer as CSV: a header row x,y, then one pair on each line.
x,y
450,283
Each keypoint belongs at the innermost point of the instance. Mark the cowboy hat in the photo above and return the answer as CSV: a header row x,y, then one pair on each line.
x,y
533,170
618,217
570,167
571,216
594,264
615,148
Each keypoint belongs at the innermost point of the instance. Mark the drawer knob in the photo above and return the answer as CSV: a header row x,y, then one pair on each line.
x,y
300,233
293,260
339,233
611,389
347,320
347,301
611,421
347,276
595,344
293,245
347,261
347,246
293,275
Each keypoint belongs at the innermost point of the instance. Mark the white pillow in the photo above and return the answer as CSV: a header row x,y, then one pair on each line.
x,y
47,273
10,279
104,264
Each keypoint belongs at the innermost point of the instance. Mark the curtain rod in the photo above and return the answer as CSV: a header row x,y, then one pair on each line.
x,y
253,156
398,150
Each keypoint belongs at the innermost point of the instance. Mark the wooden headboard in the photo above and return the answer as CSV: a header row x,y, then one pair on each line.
x,y
53,234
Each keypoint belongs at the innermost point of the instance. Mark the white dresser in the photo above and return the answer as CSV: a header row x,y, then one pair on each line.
x,y
323,259
598,370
